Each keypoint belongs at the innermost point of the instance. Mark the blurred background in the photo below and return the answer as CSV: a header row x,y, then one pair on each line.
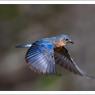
x,y
22,23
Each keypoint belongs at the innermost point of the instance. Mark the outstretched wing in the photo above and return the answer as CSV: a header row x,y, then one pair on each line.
x,y
63,58
40,59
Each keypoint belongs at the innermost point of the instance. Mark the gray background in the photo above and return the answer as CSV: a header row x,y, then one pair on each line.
x,y
22,23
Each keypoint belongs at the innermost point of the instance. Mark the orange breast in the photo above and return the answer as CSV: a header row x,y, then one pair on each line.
x,y
59,43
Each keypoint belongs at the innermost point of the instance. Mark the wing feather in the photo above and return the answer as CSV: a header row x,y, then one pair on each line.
x,y
63,58
40,59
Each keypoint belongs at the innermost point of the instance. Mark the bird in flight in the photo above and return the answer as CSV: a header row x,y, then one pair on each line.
x,y
44,54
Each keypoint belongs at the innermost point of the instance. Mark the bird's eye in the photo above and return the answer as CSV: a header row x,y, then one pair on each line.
x,y
66,39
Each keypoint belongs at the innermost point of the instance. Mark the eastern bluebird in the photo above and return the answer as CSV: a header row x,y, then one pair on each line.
x,y
44,54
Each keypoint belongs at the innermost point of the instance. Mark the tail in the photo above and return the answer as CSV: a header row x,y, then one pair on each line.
x,y
24,45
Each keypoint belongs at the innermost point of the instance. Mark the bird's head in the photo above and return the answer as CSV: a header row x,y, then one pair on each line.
x,y
62,40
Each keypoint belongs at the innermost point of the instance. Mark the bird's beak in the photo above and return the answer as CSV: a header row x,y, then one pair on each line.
x,y
70,42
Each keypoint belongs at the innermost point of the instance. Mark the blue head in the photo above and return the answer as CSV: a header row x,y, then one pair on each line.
x,y
61,40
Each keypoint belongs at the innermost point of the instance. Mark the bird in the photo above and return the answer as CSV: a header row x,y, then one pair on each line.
x,y
44,54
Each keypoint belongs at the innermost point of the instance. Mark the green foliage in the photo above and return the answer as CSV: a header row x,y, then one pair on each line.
x,y
48,82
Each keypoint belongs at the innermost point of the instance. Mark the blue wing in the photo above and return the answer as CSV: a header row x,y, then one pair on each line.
x,y
40,57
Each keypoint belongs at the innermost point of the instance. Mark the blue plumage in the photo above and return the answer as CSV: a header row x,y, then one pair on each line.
x,y
39,57
44,54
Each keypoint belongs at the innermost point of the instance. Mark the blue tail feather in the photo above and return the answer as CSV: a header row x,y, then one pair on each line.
x,y
23,45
